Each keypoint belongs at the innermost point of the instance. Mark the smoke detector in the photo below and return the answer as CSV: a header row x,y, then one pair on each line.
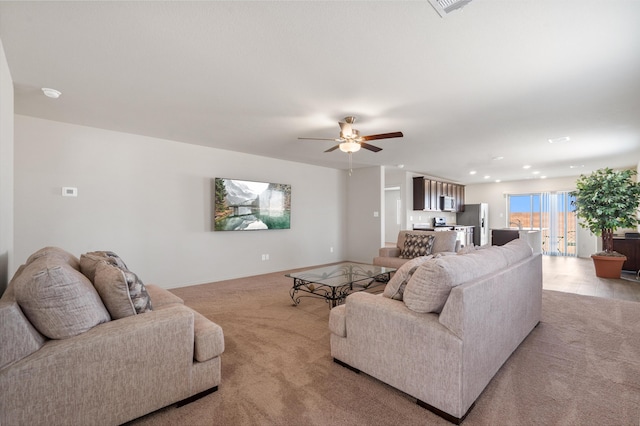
x,y
444,7
51,93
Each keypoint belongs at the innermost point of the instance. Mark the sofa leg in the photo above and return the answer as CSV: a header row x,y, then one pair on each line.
x,y
196,397
344,364
448,417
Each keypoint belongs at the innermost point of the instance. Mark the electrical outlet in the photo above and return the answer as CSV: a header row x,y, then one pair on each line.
x,y
267,255
330,249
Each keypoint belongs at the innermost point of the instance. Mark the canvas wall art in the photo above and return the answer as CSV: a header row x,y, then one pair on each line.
x,y
241,205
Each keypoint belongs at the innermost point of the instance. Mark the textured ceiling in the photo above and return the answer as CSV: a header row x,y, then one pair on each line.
x,y
496,79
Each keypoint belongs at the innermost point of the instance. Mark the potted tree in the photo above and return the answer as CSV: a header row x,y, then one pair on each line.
x,y
606,200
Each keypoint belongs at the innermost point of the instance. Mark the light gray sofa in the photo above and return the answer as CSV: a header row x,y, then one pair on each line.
x,y
460,318
444,242
65,360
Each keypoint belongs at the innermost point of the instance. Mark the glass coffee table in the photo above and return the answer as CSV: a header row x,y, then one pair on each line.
x,y
334,283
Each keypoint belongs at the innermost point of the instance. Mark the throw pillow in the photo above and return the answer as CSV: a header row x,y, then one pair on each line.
x,y
122,291
55,251
59,301
395,287
89,261
417,245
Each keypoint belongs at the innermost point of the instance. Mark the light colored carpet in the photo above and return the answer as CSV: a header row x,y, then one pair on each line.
x,y
580,366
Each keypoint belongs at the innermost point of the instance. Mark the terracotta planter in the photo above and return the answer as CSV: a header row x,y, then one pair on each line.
x,y
608,266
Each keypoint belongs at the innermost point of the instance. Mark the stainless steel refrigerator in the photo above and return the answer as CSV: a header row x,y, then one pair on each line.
x,y
476,215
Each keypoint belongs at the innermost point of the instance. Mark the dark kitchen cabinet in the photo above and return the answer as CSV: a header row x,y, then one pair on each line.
x,y
421,193
459,198
500,237
435,200
427,193
630,247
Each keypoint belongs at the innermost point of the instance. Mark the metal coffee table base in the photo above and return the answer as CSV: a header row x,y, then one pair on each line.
x,y
335,288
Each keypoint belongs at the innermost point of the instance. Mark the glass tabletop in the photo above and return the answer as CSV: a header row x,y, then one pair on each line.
x,y
340,275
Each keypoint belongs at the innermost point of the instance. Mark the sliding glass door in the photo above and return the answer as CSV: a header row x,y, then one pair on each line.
x,y
552,214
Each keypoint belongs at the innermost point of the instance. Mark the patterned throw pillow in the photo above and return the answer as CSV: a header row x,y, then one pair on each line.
x,y
416,245
89,261
121,291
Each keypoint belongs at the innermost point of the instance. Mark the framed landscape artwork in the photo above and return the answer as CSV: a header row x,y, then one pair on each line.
x,y
241,205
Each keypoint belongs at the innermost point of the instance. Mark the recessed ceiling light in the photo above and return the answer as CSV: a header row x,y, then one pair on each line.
x,y
51,93
560,140
500,157
536,172
576,167
472,172
543,177
487,177
498,181
526,166
400,166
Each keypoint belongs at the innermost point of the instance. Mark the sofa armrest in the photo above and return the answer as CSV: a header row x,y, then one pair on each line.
x,y
338,321
161,297
389,252
142,361
208,338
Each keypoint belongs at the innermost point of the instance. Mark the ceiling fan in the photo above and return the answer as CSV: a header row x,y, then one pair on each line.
x,y
350,140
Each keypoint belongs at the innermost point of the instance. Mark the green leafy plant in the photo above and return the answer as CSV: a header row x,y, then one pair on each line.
x,y
606,200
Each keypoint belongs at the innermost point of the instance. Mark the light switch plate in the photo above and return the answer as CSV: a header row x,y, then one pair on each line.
x,y
68,191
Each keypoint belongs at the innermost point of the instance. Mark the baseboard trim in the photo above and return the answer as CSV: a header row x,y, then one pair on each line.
x,y
196,397
345,365
448,417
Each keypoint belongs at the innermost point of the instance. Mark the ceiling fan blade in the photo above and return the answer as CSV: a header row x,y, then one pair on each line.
x,y
370,147
333,148
322,139
382,136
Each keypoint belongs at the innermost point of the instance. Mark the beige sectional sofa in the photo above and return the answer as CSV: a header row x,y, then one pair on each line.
x,y
100,351
444,325
391,257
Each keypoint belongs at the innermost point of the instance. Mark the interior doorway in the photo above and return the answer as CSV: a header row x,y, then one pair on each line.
x,y
392,214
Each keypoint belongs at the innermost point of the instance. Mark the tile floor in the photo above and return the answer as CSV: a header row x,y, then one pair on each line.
x,y
577,275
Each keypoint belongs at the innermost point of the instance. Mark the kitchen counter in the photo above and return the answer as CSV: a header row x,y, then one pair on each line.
x,y
429,227
465,232
501,236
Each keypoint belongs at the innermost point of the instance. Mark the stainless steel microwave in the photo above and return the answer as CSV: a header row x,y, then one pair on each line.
x,y
447,204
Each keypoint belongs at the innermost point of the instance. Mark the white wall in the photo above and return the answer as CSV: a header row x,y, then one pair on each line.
x,y
365,231
150,201
6,170
495,195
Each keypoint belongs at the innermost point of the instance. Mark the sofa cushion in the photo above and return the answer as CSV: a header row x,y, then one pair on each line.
x,y
416,245
445,241
58,300
19,338
430,285
122,292
64,255
515,250
89,261
395,287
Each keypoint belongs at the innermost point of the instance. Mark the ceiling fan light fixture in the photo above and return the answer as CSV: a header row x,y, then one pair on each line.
x,y
349,146
444,7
